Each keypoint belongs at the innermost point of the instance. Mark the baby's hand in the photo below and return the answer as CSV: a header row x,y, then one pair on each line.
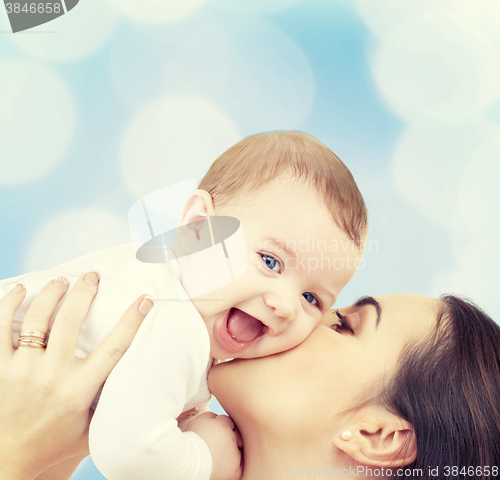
x,y
218,432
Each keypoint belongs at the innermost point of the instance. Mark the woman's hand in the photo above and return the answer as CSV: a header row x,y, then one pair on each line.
x,y
45,394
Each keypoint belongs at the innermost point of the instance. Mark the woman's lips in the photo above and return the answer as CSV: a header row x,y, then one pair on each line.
x,y
240,330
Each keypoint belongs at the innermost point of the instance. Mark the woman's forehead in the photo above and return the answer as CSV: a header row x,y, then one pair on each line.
x,y
417,314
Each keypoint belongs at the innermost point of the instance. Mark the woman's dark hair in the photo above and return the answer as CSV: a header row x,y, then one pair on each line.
x,y
449,390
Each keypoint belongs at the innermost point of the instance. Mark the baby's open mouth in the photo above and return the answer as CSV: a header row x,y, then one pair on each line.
x,y
240,330
242,327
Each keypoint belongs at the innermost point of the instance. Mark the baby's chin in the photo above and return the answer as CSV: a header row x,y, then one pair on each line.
x,y
254,352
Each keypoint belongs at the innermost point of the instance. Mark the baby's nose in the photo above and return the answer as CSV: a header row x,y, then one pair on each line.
x,y
283,307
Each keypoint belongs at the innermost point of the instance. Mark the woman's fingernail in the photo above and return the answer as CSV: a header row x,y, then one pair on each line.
x,y
61,282
92,278
146,305
19,288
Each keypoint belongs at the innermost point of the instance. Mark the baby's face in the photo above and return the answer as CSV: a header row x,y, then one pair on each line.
x,y
298,262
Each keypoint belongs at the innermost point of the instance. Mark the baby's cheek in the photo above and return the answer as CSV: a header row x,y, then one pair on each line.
x,y
311,326
302,331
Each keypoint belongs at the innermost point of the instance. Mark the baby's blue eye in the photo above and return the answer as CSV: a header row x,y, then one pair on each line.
x,y
271,262
311,298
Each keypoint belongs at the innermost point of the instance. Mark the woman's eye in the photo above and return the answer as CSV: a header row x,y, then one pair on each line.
x,y
312,299
271,262
344,324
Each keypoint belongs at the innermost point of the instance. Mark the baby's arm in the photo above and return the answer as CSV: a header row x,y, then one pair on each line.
x,y
134,432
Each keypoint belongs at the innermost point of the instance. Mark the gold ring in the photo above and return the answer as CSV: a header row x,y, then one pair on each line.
x,y
32,334
31,343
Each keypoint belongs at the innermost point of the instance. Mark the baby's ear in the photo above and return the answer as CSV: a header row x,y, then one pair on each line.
x,y
196,208
378,438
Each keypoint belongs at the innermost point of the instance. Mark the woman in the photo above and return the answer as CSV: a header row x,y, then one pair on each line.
x,y
400,386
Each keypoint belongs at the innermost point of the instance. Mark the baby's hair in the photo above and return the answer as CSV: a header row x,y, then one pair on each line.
x,y
256,160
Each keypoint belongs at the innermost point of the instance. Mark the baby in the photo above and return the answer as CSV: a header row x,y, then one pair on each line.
x,y
303,221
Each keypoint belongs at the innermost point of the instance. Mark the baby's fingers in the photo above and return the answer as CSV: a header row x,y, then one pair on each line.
x,y
225,420
8,306
104,358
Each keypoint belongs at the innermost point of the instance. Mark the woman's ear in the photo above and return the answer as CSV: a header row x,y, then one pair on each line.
x,y
378,438
197,207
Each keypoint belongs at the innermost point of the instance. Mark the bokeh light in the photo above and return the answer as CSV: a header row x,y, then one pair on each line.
x,y
156,11
428,164
171,140
135,66
252,69
74,233
479,195
37,120
382,16
475,276
256,7
437,66
84,30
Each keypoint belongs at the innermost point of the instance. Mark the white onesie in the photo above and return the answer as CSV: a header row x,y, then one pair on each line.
x,y
134,433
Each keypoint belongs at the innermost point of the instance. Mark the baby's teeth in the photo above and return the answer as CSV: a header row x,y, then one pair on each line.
x,y
233,337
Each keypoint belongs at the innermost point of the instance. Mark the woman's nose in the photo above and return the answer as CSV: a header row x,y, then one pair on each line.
x,y
283,306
